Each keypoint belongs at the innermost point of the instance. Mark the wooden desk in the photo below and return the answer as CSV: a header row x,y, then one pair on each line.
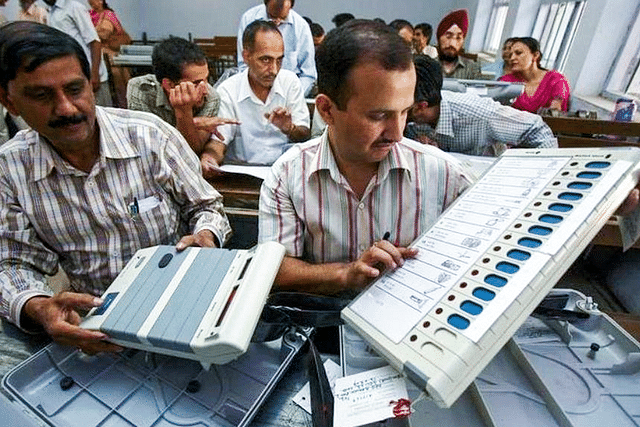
x,y
573,132
629,322
241,194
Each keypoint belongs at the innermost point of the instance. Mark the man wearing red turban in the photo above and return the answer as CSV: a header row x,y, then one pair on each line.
x,y
451,33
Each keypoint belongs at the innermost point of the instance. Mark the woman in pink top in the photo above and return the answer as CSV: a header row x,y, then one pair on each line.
x,y
542,88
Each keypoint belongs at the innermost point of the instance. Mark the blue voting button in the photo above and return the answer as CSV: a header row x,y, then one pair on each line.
x,y
108,299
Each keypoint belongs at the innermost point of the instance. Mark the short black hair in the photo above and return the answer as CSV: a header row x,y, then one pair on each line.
x,y
398,24
171,55
358,41
26,45
293,2
426,29
316,29
249,34
428,80
341,18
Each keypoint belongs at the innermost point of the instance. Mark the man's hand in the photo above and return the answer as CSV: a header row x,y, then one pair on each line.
x,y
185,95
210,167
210,124
280,117
60,319
380,256
427,141
203,239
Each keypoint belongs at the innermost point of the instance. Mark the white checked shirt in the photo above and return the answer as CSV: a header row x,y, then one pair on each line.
x,y
475,125
51,212
308,206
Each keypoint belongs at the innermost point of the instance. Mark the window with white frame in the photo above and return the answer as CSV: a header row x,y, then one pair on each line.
x,y
624,77
555,27
496,25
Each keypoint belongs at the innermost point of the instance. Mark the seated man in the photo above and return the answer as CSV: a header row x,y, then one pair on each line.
x,y
265,99
331,200
178,91
450,34
85,188
467,123
298,42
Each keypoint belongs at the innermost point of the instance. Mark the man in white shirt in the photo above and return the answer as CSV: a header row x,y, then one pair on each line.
x,y
299,49
72,18
267,101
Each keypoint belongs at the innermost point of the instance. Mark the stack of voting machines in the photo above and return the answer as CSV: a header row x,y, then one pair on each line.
x,y
488,261
201,304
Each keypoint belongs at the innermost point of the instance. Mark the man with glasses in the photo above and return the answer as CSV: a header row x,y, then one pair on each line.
x,y
298,42
451,33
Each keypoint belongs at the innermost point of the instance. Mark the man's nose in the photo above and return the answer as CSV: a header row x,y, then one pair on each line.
x,y
395,127
64,106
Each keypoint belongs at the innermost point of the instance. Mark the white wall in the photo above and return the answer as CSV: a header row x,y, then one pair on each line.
x,y
602,30
207,18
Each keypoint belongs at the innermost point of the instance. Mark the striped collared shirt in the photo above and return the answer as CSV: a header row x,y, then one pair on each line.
x,y
308,206
145,189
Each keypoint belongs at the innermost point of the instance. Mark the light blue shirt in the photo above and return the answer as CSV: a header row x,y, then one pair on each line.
x,y
299,51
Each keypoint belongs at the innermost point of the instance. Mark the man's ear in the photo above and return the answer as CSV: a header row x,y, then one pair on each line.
x,y
5,99
167,84
245,56
326,107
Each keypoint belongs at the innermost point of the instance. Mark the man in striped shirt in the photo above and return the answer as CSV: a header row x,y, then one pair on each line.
x,y
86,188
347,204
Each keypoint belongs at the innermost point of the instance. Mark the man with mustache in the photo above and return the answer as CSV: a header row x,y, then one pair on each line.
x,y
71,17
85,188
450,34
267,101
331,201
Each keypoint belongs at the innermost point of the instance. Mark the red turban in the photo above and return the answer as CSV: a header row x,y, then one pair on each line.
x,y
459,17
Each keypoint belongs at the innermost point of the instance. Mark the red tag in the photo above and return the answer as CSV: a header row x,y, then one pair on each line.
x,y
402,408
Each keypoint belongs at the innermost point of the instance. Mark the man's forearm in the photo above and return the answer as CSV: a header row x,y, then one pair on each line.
x,y
195,138
295,274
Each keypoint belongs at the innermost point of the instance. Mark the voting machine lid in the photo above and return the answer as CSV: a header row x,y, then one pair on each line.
x,y
488,261
199,303
63,387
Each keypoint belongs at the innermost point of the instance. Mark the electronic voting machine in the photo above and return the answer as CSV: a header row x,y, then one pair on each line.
x,y
201,303
488,261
